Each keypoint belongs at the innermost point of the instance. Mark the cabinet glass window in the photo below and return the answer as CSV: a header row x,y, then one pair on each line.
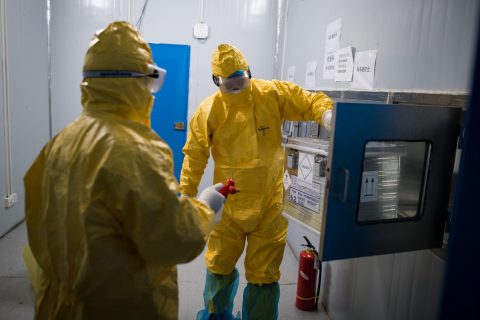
x,y
393,181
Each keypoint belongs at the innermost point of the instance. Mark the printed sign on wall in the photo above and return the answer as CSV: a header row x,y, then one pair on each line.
x,y
310,74
364,70
329,66
291,74
332,41
344,64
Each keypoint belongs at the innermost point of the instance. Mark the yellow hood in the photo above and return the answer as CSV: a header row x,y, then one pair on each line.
x,y
226,60
118,47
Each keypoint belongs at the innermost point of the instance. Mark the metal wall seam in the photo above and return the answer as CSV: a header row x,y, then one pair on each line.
x,y
129,11
6,111
50,121
280,39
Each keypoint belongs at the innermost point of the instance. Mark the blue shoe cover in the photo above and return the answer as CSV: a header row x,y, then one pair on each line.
x,y
260,302
218,297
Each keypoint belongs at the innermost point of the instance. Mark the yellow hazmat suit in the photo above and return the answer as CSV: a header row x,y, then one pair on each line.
x,y
103,217
243,133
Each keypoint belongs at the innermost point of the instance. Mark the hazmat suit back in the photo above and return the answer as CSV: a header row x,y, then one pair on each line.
x,y
103,217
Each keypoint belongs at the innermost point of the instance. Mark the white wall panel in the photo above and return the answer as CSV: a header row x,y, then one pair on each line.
x,y
426,286
28,95
338,288
372,283
249,25
73,23
402,281
403,286
3,165
423,45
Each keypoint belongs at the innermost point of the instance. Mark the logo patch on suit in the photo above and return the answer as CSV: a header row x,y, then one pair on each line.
x,y
263,129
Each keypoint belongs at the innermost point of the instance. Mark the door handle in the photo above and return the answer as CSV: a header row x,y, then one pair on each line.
x,y
179,126
341,184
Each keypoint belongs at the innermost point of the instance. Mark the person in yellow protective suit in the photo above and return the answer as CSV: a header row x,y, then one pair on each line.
x,y
241,126
104,219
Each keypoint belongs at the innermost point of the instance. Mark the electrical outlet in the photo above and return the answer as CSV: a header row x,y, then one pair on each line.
x,y
9,201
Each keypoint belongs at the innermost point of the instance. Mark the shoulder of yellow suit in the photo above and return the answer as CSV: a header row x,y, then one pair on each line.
x,y
267,87
206,105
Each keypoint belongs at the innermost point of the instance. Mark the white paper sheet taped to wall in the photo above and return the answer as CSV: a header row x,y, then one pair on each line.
x,y
332,36
344,64
364,70
291,74
329,66
310,74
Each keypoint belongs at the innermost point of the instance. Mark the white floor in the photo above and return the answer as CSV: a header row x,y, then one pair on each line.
x,y
17,297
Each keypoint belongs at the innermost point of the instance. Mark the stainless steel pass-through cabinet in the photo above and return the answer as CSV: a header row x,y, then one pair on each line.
x,y
387,178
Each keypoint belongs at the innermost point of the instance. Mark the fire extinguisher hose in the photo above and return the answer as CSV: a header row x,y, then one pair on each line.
x,y
319,281
319,273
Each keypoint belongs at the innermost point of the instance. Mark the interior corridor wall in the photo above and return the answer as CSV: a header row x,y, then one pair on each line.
x,y
421,45
249,25
424,45
72,26
27,82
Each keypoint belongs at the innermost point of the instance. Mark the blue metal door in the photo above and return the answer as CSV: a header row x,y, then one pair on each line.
x,y
388,179
169,115
460,290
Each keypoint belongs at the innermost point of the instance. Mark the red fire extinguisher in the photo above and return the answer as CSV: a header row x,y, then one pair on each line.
x,y
309,276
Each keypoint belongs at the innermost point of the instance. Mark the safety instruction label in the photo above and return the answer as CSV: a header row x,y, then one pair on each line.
x,y
305,169
369,191
307,197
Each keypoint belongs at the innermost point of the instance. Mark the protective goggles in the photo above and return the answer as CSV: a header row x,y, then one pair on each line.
x,y
234,83
154,77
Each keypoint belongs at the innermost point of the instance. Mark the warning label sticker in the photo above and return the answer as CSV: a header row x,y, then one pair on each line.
x,y
307,197
369,191
305,168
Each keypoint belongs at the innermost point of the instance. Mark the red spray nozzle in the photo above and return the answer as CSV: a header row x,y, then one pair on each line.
x,y
229,188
